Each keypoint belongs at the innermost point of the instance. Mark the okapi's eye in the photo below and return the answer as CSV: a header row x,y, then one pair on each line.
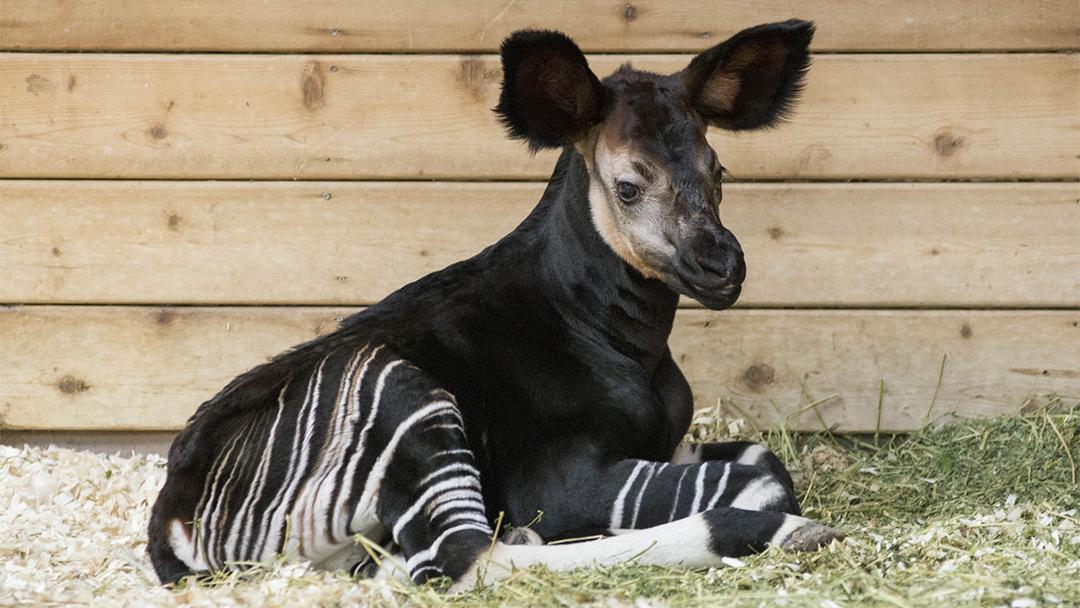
x,y
628,192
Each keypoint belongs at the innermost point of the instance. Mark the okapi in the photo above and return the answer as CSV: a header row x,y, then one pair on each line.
x,y
532,378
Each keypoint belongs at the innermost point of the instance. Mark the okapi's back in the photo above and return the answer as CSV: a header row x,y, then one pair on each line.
x,y
303,471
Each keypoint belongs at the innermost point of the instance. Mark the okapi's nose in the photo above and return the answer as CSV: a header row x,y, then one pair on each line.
x,y
713,268
726,258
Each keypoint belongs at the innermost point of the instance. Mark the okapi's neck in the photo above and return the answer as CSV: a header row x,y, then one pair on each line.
x,y
589,282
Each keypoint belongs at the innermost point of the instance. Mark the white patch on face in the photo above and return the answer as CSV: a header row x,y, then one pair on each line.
x,y
634,231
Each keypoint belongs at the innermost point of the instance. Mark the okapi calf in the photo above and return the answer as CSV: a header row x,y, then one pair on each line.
x,y
533,377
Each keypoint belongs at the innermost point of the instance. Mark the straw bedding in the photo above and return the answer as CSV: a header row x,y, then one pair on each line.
x,y
972,513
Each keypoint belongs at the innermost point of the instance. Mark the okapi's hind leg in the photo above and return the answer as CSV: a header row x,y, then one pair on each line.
x,y
429,495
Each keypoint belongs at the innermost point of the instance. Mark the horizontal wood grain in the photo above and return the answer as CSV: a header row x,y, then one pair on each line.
x,y
351,243
102,442
479,25
145,369
994,116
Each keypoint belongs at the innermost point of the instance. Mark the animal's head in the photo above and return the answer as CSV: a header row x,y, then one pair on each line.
x,y
655,191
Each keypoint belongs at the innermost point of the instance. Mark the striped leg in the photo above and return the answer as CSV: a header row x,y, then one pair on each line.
x,y
430,497
653,493
741,452
579,494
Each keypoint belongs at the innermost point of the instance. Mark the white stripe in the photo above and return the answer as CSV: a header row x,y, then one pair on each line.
x,y
617,508
641,492
678,490
759,493
448,425
720,487
454,412
457,500
417,572
699,486
453,452
469,515
457,466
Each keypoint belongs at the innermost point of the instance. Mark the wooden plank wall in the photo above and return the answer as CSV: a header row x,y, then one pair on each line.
x,y
188,188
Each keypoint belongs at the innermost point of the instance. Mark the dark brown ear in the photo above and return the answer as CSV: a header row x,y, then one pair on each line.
x,y
550,97
751,80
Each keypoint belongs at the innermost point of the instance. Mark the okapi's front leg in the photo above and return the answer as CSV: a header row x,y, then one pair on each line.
x,y
652,493
744,507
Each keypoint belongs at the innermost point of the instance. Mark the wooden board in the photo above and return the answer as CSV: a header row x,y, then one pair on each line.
x,y
123,368
479,25
995,116
102,442
351,243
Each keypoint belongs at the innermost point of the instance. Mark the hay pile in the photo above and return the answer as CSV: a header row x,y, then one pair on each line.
x,y
973,513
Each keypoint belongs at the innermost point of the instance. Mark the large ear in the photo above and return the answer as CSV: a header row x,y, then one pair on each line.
x,y
751,80
550,98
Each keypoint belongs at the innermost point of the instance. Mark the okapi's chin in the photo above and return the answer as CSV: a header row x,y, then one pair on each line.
x,y
721,298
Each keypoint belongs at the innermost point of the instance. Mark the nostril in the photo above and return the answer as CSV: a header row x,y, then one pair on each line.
x,y
717,267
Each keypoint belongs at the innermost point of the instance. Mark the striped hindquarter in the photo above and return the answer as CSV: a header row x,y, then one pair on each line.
x,y
363,443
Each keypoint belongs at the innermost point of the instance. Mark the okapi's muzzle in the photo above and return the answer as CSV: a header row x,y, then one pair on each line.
x,y
711,270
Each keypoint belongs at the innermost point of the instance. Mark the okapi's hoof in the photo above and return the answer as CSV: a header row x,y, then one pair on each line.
x,y
522,536
811,537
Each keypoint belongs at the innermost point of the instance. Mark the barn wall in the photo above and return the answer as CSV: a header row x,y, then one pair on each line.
x,y
188,188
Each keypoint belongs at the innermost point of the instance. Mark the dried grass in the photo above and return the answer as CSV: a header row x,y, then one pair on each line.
x,y
977,512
